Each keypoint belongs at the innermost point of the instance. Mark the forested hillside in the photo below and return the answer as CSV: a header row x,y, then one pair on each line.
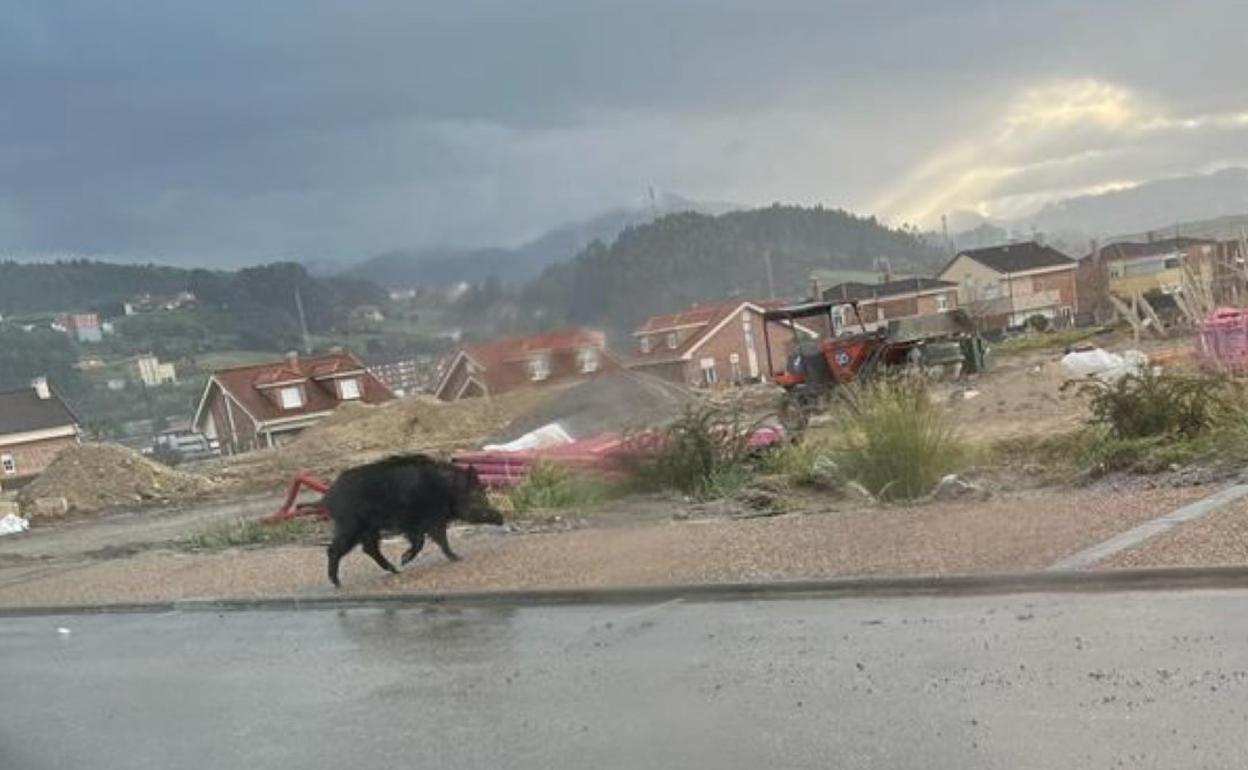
x,y
251,308
685,258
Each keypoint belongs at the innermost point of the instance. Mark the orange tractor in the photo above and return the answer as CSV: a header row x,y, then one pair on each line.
x,y
815,366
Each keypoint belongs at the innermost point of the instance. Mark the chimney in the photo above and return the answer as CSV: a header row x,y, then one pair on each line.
x,y
40,384
337,350
816,293
292,359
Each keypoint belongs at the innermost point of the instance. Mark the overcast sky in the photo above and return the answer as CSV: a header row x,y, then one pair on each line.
x,y
234,130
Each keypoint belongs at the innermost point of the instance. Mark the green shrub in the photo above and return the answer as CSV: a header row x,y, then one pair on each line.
x,y
703,453
895,441
549,486
1151,404
231,533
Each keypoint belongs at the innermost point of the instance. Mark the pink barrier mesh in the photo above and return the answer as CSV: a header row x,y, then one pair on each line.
x,y
1223,340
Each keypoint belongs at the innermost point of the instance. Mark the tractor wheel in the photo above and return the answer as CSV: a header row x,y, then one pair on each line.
x,y
797,407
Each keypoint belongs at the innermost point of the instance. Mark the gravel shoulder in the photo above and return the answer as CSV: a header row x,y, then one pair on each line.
x,y
1219,538
1022,531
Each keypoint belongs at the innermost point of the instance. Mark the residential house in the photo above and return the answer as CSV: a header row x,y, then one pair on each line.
x,y
710,345
152,373
490,368
879,303
1152,266
83,327
264,405
1003,286
35,424
1128,268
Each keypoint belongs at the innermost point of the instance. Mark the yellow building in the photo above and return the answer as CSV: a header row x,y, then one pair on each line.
x,y
1155,266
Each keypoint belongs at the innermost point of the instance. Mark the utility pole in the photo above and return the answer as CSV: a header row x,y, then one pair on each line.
x,y
303,323
771,278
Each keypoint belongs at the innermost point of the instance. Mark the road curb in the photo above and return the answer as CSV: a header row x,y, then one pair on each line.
x,y
1150,579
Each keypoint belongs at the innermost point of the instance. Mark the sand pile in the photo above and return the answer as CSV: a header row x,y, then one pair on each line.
x,y
93,477
616,402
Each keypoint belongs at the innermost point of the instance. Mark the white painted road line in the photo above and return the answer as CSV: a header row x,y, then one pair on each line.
x,y
1136,535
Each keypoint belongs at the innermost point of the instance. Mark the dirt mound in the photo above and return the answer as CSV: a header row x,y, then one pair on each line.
x,y
358,433
618,401
93,477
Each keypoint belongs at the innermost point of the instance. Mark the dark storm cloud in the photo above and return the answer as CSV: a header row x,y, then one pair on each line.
x,y
235,131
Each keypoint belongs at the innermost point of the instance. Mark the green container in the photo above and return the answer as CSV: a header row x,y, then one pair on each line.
x,y
976,355
942,353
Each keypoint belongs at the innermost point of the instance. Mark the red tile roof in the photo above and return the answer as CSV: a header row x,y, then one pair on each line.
x,y
520,346
242,383
502,364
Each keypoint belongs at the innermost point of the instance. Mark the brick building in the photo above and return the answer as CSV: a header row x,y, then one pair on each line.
x,y
264,405
879,303
710,345
497,366
35,424
405,375
83,327
1002,286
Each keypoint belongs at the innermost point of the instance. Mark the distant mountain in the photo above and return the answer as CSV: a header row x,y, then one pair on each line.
x,y
445,266
1157,205
680,259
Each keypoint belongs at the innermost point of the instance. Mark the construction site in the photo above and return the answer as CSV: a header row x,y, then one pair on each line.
x,y
1013,488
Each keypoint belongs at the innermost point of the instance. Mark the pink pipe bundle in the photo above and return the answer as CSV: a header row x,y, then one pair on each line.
x,y
603,454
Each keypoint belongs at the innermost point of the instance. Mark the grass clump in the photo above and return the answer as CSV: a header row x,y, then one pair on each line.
x,y
703,454
806,461
895,441
549,486
233,533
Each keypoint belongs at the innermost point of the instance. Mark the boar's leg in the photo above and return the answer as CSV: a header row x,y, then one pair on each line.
x,y
437,533
372,547
417,539
344,540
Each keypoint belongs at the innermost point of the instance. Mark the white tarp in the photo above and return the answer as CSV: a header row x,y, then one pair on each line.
x,y
550,434
1102,364
12,524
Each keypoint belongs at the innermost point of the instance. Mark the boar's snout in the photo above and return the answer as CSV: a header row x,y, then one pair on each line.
x,y
479,511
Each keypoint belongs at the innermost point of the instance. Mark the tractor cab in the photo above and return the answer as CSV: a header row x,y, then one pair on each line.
x,y
823,361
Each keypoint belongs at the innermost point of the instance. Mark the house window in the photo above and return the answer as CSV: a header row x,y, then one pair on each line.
x,y
1115,270
349,389
8,464
645,344
292,397
673,340
587,360
1172,263
709,376
879,313
942,303
734,361
539,368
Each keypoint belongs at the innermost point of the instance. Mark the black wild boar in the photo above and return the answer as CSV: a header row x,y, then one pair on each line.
x,y
413,494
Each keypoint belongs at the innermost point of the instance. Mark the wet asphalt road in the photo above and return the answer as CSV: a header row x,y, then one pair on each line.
x,y
1136,680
